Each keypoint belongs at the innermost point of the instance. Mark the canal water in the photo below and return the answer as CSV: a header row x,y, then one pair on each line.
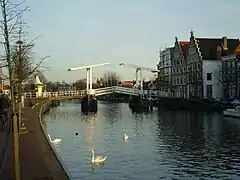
x,y
161,145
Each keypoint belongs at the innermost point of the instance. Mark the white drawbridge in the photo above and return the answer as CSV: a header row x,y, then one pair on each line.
x,y
103,91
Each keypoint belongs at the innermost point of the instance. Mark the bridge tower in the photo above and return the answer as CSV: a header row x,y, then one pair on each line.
x,y
89,103
139,71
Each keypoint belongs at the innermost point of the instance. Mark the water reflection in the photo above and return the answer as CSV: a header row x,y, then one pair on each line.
x,y
200,141
111,111
95,165
164,144
91,124
44,122
52,113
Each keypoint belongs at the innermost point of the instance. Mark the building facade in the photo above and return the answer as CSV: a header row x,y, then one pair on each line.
x,y
204,65
212,86
231,74
164,65
197,66
179,67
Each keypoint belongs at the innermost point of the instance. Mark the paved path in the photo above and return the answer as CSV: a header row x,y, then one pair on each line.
x,y
37,160
3,141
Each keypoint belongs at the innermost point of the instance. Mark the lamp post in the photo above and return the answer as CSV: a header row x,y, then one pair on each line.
x,y
15,126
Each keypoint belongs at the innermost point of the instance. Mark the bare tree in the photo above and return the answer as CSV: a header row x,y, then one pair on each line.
x,y
110,79
17,60
80,84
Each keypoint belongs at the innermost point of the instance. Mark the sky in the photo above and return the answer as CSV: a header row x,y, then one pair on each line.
x,y
82,32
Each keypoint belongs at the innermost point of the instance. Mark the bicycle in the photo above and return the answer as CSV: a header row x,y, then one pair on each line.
x,y
4,121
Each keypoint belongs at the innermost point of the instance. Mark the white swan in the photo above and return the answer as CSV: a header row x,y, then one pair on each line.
x,y
125,136
98,159
55,141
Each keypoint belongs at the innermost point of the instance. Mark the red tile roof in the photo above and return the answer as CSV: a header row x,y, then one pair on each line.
x,y
132,81
127,84
184,45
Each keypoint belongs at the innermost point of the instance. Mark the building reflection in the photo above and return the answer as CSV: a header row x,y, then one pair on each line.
x,y
198,134
183,129
139,122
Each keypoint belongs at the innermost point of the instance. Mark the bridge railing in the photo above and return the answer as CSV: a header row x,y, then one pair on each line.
x,y
64,93
101,91
56,94
125,90
29,95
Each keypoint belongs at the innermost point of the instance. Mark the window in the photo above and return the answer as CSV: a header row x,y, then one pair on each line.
x,y
199,76
238,65
229,64
209,76
199,66
209,91
192,50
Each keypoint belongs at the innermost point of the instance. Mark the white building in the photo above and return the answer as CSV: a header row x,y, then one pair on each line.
x,y
212,76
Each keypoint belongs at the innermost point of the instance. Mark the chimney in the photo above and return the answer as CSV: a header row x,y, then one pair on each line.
x,y
191,33
225,45
219,52
176,41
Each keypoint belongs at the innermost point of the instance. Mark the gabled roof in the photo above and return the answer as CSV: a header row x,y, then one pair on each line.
x,y
184,45
208,47
237,50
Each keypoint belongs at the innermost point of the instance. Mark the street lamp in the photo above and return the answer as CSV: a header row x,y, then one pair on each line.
x,y
15,126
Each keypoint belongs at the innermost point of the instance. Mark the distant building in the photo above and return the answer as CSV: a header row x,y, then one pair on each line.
x,y
231,72
165,75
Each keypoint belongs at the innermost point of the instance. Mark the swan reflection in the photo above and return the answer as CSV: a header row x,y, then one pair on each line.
x,y
95,165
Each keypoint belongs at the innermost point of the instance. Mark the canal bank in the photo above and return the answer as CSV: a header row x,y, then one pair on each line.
x,y
38,159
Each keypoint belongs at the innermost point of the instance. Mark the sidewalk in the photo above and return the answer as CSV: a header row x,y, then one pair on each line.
x,y
3,139
37,160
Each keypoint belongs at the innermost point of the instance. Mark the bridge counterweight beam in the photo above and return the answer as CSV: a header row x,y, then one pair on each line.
x,y
87,86
90,77
141,80
137,78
